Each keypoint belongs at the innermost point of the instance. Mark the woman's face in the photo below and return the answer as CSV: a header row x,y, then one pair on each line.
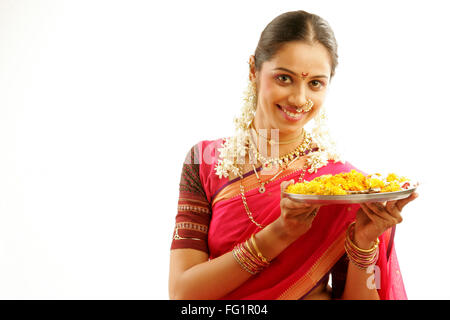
x,y
298,72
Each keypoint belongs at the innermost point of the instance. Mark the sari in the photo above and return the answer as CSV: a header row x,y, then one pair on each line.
x,y
309,260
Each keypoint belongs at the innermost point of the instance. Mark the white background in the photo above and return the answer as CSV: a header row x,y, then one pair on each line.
x,y
101,100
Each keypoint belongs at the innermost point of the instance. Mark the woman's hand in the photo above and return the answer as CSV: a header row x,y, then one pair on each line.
x,y
296,217
372,219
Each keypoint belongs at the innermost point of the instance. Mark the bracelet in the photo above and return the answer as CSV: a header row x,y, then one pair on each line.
x,y
247,259
243,266
361,258
351,233
260,255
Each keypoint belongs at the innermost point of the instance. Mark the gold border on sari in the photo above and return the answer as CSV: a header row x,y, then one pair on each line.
x,y
324,264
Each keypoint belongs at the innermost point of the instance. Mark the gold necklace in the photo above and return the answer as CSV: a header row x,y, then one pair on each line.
x,y
297,152
262,189
272,142
244,199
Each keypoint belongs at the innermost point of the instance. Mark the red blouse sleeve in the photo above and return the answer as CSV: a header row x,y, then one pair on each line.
x,y
194,209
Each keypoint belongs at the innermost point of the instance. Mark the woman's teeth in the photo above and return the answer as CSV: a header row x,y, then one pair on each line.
x,y
298,114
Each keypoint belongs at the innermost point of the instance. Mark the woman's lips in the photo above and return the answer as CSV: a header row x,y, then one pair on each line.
x,y
290,113
290,109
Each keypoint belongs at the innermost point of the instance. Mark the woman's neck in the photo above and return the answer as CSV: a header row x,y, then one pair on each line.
x,y
273,142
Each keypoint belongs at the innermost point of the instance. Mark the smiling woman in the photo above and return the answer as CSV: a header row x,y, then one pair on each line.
x,y
236,236
283,88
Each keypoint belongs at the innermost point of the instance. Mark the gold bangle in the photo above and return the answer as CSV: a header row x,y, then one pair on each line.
x,y
237,257
251,258
371,250
249,247
260,255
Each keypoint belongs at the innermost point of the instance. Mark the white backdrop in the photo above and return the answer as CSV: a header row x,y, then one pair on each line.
x,y
101,100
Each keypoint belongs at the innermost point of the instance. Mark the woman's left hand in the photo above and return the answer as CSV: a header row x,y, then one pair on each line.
x,y
374,218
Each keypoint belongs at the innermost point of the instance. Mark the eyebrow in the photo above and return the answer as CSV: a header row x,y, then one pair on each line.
x,y
287,70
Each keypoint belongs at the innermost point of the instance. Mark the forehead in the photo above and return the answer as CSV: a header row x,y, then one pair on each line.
x,y
301,57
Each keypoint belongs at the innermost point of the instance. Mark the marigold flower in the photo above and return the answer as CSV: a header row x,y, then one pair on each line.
x,y
348,183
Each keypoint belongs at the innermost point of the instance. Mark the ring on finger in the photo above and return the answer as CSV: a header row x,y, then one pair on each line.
x,y
314,212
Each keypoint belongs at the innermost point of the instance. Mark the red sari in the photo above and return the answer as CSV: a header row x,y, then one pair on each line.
x,y
306,262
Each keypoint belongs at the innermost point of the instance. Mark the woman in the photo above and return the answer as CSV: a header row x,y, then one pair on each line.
x,y
236,235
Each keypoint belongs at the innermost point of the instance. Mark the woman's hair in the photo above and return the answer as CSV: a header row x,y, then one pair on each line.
x,y
295,26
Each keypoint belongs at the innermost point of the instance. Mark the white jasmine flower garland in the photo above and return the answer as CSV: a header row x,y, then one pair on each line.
x,y
235,148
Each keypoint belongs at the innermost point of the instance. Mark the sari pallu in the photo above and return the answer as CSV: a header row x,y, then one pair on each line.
x,y
308,260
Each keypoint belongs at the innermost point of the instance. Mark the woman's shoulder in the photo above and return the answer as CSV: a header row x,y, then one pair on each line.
x,y
203,157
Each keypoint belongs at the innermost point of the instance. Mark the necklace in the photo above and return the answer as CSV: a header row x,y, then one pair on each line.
x,y
244,199
272,142
262,189
297,152
287,160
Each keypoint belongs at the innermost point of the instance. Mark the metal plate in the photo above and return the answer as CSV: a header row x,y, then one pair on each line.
x,y
351,198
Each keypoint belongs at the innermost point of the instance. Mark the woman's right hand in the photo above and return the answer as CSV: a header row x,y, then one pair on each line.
x,y
296,217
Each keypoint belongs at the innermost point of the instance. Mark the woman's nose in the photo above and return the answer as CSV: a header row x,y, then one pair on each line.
x,y
298,97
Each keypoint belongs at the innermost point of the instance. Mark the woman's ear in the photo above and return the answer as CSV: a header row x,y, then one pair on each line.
x,y
252,69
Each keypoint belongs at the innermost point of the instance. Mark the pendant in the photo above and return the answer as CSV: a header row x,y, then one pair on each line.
x,y
262,189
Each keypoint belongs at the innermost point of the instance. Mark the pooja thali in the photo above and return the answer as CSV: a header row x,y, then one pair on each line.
x,y
351,198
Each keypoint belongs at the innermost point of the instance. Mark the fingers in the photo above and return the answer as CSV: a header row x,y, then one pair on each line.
x,y
313,214
308,215
392,209
403,202
387,214
382,215
291,204
294,208
372,216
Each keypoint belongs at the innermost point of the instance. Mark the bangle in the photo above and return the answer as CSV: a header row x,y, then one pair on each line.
x,y
351,233
253,259
245,262
247,259
361,258
260,255
239,260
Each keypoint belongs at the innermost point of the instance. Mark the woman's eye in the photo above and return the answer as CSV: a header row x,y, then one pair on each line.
x,y
284,78
316,84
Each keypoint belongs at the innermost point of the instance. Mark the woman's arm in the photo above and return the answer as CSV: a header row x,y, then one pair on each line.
x,y
372,219
358,285
193,276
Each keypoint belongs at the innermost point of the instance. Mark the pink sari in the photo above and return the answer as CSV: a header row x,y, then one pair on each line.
x,y
301,266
